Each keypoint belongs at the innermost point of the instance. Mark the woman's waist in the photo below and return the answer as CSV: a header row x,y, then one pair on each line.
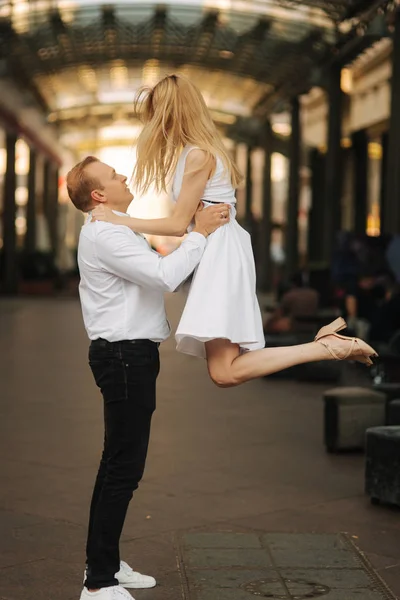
x,y
232,216
231,202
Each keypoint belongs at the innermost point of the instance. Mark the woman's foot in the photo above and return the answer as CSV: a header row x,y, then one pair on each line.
x,y
341,347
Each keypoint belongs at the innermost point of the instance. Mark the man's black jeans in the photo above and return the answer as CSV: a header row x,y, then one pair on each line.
x,y
126,374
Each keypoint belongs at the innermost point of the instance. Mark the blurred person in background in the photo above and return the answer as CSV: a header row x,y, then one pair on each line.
x,y
299,301
221,320
362,302
386,321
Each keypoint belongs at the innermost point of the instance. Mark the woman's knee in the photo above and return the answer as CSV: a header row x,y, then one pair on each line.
x,y
222,379
221,355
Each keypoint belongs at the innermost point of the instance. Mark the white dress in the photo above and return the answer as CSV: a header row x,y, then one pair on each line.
x,y
222,301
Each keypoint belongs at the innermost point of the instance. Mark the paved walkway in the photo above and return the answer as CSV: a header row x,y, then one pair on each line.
x,y
247,460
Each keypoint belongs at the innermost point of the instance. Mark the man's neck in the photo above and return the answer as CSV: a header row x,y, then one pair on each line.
x,y
115,210
119,211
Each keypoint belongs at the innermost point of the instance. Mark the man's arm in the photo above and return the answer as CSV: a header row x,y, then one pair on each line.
x,y
121,253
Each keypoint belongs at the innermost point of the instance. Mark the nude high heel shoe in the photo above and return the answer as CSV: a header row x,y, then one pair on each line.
x,y
358,349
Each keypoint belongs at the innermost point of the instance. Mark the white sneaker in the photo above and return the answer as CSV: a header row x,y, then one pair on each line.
x,y
114,592
131,579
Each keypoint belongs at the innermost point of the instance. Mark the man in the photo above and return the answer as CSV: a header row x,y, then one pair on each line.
x,y
122,295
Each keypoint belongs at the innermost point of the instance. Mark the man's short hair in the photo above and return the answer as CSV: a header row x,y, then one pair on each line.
x,y
80,185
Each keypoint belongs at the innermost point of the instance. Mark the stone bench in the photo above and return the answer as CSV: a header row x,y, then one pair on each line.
x,y
348,413
393,413
382,473
391,391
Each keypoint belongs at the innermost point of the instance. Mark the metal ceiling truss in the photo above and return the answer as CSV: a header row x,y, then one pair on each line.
x,y
337,10
282,56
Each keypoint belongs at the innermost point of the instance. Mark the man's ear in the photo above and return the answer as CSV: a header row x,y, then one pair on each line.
x,y
98,196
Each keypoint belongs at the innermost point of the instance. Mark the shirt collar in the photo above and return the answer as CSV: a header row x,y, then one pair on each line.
x,y
117,212
121,214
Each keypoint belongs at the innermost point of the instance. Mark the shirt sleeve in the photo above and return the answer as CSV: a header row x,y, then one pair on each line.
x,y
120,252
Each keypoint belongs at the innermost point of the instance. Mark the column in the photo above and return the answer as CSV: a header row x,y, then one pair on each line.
x,y
53,208
384,166
265,263
292,228
10,268
240,159
391,222
316,214
46,186
30,237
50,201
360,192
333,180
249,193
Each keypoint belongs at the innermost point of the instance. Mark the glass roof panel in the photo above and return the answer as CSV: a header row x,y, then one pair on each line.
x,y
313,13
96,53
239,13
73,95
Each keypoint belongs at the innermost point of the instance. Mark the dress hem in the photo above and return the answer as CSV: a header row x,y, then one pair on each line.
x,y
245,346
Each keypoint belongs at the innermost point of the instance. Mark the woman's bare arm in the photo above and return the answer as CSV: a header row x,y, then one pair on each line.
x,y
197,173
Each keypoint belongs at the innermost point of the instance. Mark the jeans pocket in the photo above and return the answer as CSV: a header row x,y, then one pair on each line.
x,y
103,372
141,376
137,356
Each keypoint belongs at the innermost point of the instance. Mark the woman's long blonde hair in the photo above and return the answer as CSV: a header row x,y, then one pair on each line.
x,y
174,114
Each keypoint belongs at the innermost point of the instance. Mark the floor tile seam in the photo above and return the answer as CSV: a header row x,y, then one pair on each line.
x,y
141,538
47,465
180,566
25,562
382,555
246,548
252,529
47,519
277,568
388,567
373,575
21,527
267,548
289,509
233,523
181,530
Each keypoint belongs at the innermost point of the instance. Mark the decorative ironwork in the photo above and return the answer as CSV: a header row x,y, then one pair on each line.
x,y
337,10
278,52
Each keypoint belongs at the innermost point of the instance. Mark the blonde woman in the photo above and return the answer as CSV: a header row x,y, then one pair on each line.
x,y
221,320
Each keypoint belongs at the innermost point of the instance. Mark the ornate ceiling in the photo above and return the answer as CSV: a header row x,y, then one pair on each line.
x,y
84,60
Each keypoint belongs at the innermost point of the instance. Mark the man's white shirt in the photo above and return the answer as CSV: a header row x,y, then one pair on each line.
x,y
123,281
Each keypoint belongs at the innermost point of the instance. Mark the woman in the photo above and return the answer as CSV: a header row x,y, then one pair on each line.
x,y
221,320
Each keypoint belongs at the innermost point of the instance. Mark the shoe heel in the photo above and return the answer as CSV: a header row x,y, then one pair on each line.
x,y
336,325
365,360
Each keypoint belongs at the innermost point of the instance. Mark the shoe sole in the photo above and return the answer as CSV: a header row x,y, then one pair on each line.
x,y
131,586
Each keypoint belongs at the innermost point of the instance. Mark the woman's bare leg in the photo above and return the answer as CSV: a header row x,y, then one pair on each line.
x,y
227,367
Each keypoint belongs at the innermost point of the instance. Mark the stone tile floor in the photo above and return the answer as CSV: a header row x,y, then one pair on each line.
x,y
248,460
276,565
